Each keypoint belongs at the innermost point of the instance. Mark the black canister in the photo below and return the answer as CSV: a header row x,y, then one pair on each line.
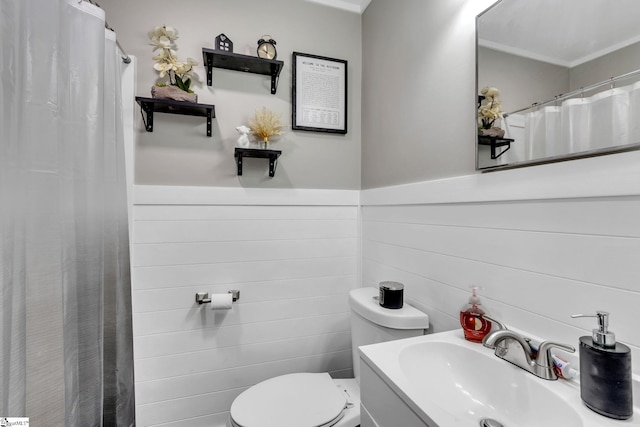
x,y
391,295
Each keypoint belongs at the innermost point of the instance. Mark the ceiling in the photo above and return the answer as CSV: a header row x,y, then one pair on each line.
x,y
357,6
562,32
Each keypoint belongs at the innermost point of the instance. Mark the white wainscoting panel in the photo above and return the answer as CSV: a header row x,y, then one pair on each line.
x,y
293,254
543,243
540,252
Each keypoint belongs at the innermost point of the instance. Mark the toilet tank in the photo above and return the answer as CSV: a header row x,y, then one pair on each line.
x,y
371,323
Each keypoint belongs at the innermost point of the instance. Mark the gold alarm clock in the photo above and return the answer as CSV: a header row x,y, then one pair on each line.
x,y
267,48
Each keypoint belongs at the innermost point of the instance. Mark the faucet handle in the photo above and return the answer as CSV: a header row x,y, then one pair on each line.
x,y
497,322
544,358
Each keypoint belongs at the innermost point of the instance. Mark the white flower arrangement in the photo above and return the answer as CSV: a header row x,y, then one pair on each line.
x,y
490,108
163,39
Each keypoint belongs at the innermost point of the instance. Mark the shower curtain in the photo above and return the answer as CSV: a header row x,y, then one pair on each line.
x,y
603,120
65,310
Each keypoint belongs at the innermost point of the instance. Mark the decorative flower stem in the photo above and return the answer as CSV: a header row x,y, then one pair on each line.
x,y
265,124
163,38
490,107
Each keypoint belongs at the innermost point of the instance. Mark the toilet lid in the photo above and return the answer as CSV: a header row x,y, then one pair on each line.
x,y
294,400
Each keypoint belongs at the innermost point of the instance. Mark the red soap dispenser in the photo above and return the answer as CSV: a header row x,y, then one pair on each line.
x,y
474,326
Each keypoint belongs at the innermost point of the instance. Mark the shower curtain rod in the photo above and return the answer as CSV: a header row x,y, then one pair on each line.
x,y
582,90
125,58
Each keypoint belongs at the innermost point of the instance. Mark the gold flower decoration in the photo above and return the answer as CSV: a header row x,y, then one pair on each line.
x,y
265,124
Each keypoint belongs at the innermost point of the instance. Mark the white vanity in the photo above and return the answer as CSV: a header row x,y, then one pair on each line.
x,y
442,380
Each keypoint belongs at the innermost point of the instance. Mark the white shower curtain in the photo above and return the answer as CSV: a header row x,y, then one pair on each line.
x,y
609,118
542,133
634,113
576,128
65,317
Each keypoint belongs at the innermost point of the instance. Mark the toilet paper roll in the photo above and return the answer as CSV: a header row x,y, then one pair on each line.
x,y
221,301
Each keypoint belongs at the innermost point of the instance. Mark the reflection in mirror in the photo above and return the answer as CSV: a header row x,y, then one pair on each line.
x,y
568,74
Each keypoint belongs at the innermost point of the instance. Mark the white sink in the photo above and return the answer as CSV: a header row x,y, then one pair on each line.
x,y
448,381
479,385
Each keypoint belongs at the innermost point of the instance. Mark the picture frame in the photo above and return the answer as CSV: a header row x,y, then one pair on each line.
x,y
319,93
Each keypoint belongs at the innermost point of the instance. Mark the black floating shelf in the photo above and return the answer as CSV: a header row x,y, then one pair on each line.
x,y
272,155
234,61
155,105
494,143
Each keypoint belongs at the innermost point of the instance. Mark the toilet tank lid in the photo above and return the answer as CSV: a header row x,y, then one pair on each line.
x,y
364,302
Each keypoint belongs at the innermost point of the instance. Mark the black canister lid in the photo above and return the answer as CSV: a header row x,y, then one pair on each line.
x,y
391,286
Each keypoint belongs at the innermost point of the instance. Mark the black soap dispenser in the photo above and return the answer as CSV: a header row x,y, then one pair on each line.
x,y
605,371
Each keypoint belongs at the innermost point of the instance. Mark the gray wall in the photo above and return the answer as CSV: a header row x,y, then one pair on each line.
x,y
522,81
418,86
411,75
614,64
418,114
177,152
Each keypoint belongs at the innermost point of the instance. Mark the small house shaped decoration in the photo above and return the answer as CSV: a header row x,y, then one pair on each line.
x,y
223,43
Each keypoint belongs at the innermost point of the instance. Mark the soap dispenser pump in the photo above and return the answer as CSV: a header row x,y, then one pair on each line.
x,y
605,371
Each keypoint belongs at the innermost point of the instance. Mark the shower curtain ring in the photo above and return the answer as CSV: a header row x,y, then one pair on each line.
x,y
613,84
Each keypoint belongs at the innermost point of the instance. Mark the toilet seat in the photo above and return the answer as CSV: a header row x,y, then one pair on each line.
x,y
293,400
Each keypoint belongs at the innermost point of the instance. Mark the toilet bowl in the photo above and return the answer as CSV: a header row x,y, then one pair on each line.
x,y
315,399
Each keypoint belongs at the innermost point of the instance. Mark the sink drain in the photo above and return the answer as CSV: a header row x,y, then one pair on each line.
x,y
489,422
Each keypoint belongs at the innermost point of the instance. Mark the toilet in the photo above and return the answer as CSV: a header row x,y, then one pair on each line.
x,y
315,399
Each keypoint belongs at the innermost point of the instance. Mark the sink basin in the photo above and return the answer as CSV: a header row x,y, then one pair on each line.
x,y
447,381
478,385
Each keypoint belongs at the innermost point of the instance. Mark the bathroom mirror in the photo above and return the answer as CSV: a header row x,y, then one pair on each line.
x,y
568,73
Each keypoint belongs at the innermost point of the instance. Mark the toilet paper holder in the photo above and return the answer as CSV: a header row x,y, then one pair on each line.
x,y
204,298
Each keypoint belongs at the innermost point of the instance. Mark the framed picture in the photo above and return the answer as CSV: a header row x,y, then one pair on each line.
x,y
319,93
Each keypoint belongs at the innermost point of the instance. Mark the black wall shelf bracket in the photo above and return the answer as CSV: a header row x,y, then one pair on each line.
x,y
149,106
272,155
234,61
494,143
275,78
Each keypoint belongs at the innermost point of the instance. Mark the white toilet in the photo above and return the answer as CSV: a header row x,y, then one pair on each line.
x,y
317,400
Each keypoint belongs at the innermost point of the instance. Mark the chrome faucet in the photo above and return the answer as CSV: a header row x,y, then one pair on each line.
x,y
501,349
541,366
